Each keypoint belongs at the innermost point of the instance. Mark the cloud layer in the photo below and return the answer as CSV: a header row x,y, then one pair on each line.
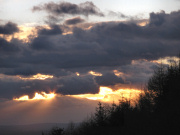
x,y
103,48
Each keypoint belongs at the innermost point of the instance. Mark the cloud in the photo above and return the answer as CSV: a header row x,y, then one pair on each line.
x,y
107,44
8,28
59,9
7,47
74,20
78,85
54,30
165,25
108,79
118,14
105,47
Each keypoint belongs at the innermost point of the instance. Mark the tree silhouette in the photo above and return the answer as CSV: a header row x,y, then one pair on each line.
x,y
56,131
100,115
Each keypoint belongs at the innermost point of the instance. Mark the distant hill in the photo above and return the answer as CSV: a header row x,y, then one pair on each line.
x,y
33,129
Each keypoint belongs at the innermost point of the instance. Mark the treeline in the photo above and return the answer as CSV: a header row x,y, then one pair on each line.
x,y
156,112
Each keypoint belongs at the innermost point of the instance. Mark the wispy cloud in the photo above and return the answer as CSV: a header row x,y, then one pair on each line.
x,y
74,20
86,8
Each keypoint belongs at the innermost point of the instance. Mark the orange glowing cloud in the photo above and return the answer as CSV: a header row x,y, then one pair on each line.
x,y
95,73
37,96
166,60
143,22
108,95
117,73
77,73
37,77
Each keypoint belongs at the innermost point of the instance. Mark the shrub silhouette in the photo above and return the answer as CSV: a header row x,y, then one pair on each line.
x,y
55,131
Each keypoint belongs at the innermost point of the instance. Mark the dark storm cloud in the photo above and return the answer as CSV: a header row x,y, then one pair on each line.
x,y
165,25
43,41
108,45
7,47
8,28
86,8
74,20
78,85
108,79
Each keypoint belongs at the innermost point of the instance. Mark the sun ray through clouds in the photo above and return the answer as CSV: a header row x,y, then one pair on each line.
x,y
109,95
37,96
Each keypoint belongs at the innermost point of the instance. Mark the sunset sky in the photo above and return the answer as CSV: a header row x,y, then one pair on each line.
x,y
58,59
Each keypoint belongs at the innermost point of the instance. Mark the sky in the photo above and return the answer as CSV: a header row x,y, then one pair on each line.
x,y
58,59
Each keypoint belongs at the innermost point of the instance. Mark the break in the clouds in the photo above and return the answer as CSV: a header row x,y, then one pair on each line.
x,y
8,28
118,14
74,20
102,48
59,9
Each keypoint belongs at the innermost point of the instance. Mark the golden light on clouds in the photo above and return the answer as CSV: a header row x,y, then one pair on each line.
x,y
23,34
109,95
67,33
77,73
143,23
117,73
95,73
37,96
167,60
37,77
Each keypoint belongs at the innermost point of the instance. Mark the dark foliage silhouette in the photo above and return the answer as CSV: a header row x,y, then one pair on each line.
x,y
55,131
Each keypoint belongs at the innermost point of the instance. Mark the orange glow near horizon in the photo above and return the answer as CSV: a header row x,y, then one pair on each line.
x,y
105,94
37,96
109,95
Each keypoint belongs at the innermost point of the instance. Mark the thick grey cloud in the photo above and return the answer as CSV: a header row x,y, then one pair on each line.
x,y
54,30
8,28
78,85
86,8
74,20
7,47
109,79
